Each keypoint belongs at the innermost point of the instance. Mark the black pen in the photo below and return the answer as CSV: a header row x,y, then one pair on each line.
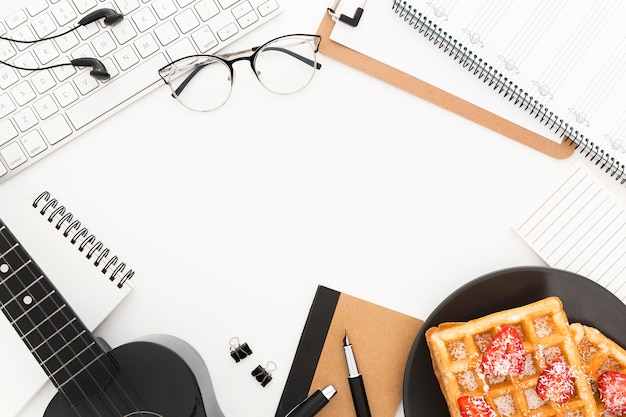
x,y
359,398
313,403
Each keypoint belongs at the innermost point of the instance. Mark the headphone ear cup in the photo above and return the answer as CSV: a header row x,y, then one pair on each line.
x,y
111,17
98,70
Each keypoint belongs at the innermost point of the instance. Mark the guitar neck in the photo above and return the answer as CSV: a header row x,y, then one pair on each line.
x,y
64,348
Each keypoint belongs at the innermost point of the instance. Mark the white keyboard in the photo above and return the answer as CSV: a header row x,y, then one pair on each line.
x,y
42,110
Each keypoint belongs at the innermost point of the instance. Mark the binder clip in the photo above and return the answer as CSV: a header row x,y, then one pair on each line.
x,y
264,375
238,351
352,21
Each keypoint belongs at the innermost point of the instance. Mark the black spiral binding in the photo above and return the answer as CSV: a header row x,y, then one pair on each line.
x,y
84,239
505,87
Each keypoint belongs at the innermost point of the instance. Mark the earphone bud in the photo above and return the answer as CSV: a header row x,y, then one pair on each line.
x,y
111,17
98,70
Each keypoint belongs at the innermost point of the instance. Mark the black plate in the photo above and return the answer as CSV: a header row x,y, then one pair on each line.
x,y
584,301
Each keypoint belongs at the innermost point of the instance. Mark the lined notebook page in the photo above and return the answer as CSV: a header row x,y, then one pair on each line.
x,y
581,227
568,55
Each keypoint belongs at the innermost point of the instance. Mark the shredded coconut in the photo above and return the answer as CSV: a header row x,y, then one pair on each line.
x,y
482,341
505,405
457,350
532,399
543,326
467,380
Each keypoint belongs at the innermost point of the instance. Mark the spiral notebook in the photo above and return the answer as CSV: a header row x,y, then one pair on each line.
x,y
89,274
553,68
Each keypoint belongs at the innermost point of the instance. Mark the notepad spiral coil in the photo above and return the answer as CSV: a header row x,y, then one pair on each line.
x,y
113,267
508,89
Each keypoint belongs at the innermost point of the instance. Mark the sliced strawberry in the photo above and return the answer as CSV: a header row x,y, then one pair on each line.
x,y
555,382
612,386
475,407
505,354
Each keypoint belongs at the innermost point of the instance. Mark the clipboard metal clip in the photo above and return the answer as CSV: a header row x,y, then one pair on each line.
x,y
352,21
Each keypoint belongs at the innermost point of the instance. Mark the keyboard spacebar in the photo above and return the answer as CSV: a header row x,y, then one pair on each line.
x,y
116,91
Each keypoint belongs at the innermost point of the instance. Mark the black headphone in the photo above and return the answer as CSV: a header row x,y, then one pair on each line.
x,y
98,70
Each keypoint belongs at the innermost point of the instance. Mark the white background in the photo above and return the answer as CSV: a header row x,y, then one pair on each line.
x,y
232,218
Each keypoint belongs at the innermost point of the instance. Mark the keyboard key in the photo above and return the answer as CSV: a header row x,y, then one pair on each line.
x,y
227,3
186,21
166,33
267,8
8,77
25,119
104,44
124,31
164,8
204,39
6,105
13,155
3,170
127,6
33,143
85,83
65,95
241,9
46,52
7,131
43,81
207,9
181,49
146,45
144,19
43,25
45,107
36,6
227,31
16,19
126,58
248,19
63,12
83,6
56,129
23,93
117,91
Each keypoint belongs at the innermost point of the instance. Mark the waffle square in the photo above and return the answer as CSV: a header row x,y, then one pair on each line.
x,y
599,354
456,350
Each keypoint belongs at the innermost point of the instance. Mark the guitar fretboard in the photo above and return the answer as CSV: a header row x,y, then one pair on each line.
x,y
60,342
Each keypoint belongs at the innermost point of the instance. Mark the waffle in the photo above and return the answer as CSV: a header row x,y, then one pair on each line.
x,y
457,348
599,354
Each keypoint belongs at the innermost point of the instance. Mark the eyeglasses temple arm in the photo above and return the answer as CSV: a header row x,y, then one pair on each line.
x,y
187,79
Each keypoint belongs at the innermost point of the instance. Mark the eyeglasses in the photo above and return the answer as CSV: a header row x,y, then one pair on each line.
x,y
283,65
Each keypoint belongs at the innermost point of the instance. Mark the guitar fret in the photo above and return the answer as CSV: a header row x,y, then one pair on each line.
x,y
49,317
14,299
37,304
48,326
14,273
72,377
53,334
58,351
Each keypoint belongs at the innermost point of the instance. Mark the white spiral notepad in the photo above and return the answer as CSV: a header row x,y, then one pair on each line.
x,y
89,275
581,227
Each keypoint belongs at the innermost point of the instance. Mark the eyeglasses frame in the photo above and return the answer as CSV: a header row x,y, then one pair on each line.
x,y
166,71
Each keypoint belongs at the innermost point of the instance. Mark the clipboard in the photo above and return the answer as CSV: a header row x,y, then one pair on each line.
x,y
436,95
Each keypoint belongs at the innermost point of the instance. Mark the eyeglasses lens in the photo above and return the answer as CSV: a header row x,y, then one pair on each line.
x,y
287,64
201,83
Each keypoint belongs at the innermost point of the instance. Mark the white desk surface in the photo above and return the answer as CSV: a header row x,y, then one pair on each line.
x,y
232,218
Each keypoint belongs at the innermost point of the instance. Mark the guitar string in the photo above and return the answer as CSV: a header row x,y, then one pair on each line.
x,y
72,376
51,203
19,329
